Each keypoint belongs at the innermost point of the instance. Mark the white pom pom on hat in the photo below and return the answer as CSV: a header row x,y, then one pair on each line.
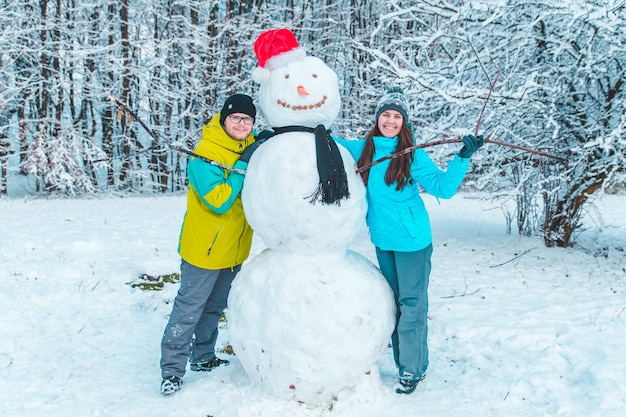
x,y
275,48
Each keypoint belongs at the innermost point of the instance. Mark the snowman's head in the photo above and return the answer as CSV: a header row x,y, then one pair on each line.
x,y
296,90
302,93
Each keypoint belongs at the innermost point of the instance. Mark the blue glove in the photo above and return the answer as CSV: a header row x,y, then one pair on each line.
x,y
471,144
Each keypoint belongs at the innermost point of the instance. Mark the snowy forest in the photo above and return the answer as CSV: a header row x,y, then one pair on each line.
x,y
557,70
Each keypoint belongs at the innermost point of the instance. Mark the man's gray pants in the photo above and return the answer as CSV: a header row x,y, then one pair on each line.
x,y
191,331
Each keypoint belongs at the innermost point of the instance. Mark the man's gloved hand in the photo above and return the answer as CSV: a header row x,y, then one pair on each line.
x,y
265,135
261,137
247,153
471,144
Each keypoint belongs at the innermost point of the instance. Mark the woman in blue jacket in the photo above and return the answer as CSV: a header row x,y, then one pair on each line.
x,y
399,224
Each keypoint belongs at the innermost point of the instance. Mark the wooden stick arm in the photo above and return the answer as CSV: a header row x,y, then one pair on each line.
x,y
457,140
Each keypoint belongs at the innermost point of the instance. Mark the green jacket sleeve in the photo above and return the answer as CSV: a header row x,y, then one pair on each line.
x,y
218,189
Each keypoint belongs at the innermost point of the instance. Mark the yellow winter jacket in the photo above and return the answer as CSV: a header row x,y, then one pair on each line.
x,y
215,233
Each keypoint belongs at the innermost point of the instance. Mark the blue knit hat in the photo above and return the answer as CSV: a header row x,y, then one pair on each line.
x,y
394,100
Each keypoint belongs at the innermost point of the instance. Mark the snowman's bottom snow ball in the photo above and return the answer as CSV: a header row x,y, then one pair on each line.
x,y
306,327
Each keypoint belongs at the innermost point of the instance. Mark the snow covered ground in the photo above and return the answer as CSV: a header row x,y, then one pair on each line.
x,y
516,329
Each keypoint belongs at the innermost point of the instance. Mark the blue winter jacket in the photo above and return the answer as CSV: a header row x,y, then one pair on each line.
x,y
398,220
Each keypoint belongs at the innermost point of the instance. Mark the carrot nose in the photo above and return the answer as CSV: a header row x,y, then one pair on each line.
x,y
302,91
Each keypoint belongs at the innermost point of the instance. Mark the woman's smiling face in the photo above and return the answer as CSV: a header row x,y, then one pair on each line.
x,y
390,122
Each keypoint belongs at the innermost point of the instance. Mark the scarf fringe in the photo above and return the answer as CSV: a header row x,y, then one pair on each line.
x,y
333,180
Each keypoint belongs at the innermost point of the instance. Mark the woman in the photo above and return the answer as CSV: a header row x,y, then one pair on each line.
x,y
399,224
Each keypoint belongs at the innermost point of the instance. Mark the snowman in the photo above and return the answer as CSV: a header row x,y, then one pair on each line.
x,y
307,317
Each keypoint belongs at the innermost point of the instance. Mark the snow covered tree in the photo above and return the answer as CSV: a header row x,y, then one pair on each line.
x,y
4,149
588,103
571,95
40,46
561,91
53,163
560,87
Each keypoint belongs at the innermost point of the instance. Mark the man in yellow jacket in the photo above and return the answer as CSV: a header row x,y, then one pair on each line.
x,y
215,240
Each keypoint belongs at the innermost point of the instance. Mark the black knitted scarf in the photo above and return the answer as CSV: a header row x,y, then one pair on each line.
x,y
333,181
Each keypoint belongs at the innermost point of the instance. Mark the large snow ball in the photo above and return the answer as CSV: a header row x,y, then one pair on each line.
x,y
280,181
306,327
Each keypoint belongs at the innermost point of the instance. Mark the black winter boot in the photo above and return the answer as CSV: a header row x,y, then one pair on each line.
x,y
208,366
408,385
170,385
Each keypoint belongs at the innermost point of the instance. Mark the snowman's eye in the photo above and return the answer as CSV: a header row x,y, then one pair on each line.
x,y
286,76
314,75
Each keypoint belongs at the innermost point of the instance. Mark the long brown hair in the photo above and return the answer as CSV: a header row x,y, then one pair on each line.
x,y
399,169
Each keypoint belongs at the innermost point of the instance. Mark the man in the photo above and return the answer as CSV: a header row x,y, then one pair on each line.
x,y
215,240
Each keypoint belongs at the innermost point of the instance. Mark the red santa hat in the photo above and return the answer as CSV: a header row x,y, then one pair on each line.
x,y
275,48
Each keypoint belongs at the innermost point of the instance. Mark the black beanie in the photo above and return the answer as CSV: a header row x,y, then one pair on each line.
x,y
238,103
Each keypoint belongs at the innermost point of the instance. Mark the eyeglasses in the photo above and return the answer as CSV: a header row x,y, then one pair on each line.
x,y
237,119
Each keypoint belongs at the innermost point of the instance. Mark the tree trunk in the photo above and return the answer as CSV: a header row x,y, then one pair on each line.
x,y
562,216
130,143
4,151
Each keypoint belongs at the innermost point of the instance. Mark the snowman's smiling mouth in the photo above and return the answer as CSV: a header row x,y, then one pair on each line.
x,y
304,107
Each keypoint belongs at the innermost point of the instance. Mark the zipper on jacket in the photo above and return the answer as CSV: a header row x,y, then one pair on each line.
x,y
245,227
217,233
